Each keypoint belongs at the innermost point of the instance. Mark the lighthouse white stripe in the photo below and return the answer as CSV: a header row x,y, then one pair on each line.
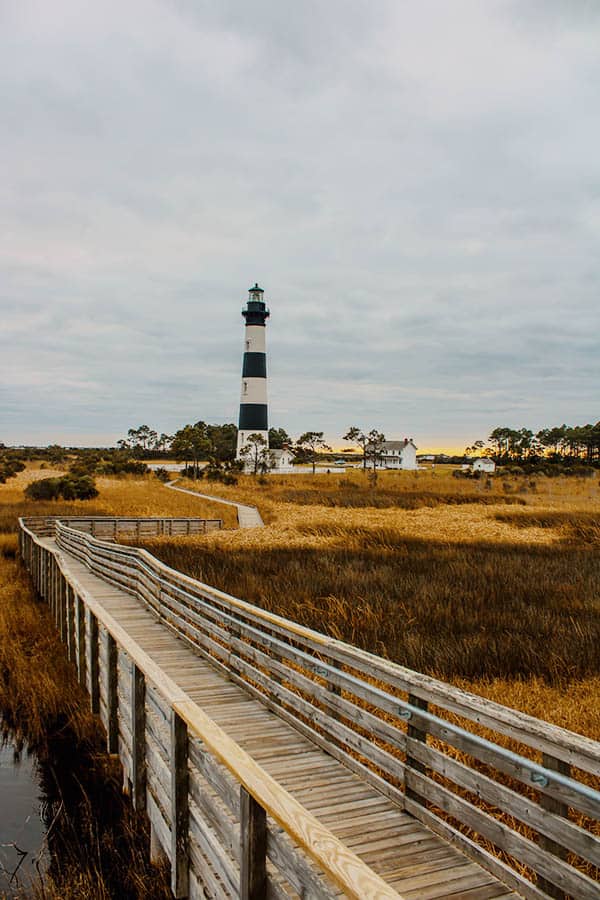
x,y
254,339
254,390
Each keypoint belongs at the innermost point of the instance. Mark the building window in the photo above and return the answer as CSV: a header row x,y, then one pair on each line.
x,y
247,345
245,387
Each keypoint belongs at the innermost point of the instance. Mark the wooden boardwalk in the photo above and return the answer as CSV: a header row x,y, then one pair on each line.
x,y
367,815
248,516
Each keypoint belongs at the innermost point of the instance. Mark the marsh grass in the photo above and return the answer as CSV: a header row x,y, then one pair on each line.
x,y
99,847
453,610
573,527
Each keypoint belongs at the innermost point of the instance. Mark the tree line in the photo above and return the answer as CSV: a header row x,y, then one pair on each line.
x,y
560,443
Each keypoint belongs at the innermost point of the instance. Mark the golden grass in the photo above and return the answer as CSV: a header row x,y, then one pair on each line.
x,y
99,846
128,496
489,596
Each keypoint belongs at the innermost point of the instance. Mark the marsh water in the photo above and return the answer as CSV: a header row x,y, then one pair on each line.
x,y
23,815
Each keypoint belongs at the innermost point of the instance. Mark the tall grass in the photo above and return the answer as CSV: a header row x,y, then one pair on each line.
x,y
471,610
99,847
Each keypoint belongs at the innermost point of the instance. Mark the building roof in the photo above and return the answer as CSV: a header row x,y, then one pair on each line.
x,y
397,445
255,288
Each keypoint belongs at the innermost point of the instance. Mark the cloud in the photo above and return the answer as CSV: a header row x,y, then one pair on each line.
x,y
417,186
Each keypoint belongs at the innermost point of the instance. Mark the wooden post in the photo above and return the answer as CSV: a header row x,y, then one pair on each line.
x,y
112,699
94,671
179,807
559,809
253,838
62,593
70,602
416,734
138,738
80,624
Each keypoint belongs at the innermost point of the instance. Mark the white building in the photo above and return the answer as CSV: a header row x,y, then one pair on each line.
x,y
281,460
399,455
483,464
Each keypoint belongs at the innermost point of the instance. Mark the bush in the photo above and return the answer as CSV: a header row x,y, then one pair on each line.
x,y
162,474
69,487
220,473
9,468
190,472
121,467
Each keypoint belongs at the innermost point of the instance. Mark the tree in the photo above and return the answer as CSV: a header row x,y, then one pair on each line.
x,y
374,447
309,444
277,438
356,436
255,453
223,441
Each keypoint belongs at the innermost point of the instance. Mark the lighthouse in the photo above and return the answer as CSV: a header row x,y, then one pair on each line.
x,y
253,400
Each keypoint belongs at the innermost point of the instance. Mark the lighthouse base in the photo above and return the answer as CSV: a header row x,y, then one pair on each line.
x,y
256,459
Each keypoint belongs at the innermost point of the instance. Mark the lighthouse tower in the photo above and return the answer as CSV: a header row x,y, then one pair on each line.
x,y
253,400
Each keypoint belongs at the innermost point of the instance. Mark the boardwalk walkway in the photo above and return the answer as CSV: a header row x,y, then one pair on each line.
x,y
408,856
275,762
248,516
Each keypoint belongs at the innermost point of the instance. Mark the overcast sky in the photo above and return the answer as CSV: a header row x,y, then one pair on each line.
x,y
416,185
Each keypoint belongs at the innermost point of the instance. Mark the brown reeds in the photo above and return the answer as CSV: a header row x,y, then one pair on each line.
x,y
99,848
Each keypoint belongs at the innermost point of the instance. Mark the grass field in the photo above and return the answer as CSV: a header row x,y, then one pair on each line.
x,y
503,599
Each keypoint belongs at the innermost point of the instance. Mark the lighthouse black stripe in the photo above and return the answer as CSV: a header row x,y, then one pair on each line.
x,y
253,417
255,365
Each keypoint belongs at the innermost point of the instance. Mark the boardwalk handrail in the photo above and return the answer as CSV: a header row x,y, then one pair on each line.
x,y
338,862
376,716
125,526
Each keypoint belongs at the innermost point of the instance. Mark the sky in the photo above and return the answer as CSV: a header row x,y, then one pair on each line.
x,y
416,186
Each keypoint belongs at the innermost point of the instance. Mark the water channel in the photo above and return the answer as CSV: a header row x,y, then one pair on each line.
x,y
23,820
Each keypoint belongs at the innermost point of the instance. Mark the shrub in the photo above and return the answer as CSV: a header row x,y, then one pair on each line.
x,y
9,468
162,474
69,487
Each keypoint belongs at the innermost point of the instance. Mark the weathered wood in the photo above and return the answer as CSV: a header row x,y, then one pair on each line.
x,y
540,817
253,849
179,806
556,808
93,638
80,625
416,734
138,737
516,845
214,850
112,697
70,604
294,868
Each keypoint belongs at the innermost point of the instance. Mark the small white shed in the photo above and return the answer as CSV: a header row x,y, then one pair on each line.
x,y
483,464
281,460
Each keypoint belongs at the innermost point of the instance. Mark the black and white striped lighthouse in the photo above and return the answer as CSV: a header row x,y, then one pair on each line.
x,y
253,400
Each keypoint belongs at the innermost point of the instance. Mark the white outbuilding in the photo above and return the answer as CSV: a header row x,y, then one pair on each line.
x,y
281,460
483,464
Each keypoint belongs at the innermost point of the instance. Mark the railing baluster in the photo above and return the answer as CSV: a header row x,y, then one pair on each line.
x,y
253,839
179,806
112,698
70,604
138,737
559,809
416,734
94,669
80,622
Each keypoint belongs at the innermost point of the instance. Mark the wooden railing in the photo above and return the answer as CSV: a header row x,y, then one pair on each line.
x,y
113,527
514,793
221,820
